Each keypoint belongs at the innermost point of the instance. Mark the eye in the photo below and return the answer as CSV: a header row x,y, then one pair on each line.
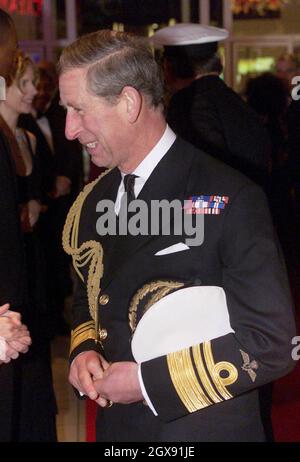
x,y
23,83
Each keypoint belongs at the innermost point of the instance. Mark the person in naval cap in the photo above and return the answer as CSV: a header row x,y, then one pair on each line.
x,y
202,108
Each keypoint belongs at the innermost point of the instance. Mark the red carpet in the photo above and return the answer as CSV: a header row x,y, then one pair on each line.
x,y
90,420
286,403
286,407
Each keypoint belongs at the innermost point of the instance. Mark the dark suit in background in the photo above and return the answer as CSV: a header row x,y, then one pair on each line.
x,y
293,122
214,118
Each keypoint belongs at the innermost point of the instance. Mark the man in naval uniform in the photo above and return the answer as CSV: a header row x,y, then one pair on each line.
x,y
111,88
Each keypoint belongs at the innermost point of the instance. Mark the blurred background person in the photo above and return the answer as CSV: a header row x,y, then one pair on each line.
x,y
203,109
12,266
62,179
286,68
293,142
266,94
37,420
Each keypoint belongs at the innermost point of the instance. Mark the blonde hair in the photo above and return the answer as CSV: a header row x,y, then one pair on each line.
x,y
22,62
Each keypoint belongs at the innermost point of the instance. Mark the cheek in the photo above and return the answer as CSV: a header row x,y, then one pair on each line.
x,y
91,125
14,100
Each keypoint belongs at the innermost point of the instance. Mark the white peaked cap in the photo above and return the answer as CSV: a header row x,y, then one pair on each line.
x,y
188,34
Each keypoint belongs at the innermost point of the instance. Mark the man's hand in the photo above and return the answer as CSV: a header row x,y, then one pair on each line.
x,y
119,384
85,369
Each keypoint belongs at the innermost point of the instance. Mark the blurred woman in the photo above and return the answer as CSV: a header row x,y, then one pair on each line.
x,y
19,100
37,400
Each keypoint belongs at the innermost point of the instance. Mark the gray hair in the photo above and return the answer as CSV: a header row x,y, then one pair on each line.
x,y
115,60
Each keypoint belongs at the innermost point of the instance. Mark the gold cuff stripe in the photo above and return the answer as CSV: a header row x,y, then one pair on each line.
x,y
77,339
203,375
197,378
215,370
81,327
185,381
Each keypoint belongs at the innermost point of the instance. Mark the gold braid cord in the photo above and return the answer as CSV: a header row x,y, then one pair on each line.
x,y
161,289
90,252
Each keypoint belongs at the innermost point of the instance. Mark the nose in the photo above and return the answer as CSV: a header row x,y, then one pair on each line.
x,y
73,125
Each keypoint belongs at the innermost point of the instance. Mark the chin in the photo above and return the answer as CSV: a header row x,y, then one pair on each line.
x,y
99,163
26,110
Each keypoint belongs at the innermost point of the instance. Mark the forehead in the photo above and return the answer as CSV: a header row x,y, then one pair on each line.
x,y
72,84
28,71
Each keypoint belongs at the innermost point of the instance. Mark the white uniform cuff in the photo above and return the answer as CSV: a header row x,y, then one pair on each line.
x,y
144,392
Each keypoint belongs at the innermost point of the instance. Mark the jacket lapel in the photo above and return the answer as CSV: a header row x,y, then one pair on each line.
x,y
167,181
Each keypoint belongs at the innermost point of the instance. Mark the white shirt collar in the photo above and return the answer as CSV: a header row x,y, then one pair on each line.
x,y
148,164
146,167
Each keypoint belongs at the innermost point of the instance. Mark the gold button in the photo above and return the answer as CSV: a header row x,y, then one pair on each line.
x,y
104,299
102,334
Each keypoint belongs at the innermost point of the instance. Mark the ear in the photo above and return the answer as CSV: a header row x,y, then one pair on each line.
x,y
132,101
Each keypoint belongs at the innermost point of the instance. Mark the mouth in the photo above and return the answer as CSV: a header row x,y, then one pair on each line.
x,y
91,145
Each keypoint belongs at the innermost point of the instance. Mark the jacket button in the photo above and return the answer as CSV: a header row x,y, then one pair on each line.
x,y
104,299
103,334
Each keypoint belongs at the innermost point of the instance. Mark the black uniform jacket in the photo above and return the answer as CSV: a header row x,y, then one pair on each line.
x,y
213,398
212,117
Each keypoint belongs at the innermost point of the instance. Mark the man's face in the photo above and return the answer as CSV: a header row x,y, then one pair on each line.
x,y
45,91
8,54
97,124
